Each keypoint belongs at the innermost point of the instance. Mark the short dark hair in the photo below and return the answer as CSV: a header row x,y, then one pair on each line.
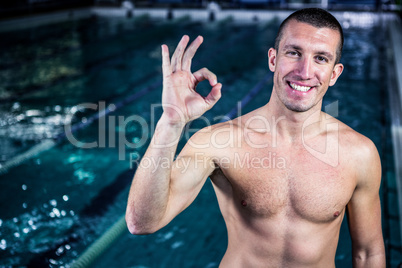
x,y
316,17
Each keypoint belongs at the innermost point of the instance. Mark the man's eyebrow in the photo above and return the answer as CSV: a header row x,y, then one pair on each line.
x,y
296,47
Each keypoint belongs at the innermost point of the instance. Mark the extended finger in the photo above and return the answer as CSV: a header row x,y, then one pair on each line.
x,y
189,53
178,54
166,67
205,74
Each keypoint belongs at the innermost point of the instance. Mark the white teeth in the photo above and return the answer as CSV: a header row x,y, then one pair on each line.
x,y
299,88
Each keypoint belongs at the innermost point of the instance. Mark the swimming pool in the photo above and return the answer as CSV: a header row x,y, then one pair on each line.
x,y
60,201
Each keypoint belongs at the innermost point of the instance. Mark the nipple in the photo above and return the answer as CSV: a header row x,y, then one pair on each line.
x,y
243,203
336,214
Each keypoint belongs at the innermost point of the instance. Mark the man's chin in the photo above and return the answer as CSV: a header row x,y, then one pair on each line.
x,y
297,108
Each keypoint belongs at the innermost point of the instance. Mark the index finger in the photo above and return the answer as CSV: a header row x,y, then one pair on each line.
x,y
177,57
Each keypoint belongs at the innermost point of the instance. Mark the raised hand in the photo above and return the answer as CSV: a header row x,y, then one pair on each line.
x,y
181,103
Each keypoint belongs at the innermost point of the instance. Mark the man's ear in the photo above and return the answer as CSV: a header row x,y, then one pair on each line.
x,y
336,72
272,59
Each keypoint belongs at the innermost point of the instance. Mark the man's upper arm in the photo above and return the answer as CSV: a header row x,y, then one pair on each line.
x,y
189,172
364,210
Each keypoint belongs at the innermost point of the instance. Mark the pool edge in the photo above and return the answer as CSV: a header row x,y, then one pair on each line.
x,y
396,107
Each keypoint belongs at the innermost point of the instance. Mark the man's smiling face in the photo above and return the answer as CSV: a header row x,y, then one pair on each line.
x,y
304,65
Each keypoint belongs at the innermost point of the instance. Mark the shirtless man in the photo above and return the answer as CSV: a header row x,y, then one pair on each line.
x,y
282,215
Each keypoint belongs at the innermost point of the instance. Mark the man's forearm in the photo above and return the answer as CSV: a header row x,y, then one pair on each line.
x,y
149,193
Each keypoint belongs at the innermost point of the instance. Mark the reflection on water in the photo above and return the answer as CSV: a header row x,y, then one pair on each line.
x,y
35,229
20,128
33,124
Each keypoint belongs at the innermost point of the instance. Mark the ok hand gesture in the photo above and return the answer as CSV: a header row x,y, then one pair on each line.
x,y
181,103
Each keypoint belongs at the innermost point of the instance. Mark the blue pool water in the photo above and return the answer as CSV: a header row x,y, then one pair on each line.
x,y
56,204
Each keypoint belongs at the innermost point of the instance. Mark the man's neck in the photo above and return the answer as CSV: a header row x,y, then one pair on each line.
x,y
291,126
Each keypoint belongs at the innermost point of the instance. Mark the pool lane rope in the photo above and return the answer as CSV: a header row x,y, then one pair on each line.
x,y
91,254
101,244
34,150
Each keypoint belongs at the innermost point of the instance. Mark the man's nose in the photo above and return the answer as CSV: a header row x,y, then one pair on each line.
x,y
305,68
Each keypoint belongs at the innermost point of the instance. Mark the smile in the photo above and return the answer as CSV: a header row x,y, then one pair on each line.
x,y
299,88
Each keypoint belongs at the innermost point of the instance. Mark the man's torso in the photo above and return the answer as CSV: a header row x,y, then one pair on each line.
x,y
282,205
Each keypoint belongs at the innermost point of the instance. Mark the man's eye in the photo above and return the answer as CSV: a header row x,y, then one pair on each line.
x,y
293,53
321,59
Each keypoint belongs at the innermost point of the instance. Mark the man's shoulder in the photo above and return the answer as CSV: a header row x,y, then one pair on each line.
x,y
355,141
358,150
213,136
218,132
347,137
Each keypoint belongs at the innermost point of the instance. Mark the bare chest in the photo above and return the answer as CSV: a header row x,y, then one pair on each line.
x,y
265,184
